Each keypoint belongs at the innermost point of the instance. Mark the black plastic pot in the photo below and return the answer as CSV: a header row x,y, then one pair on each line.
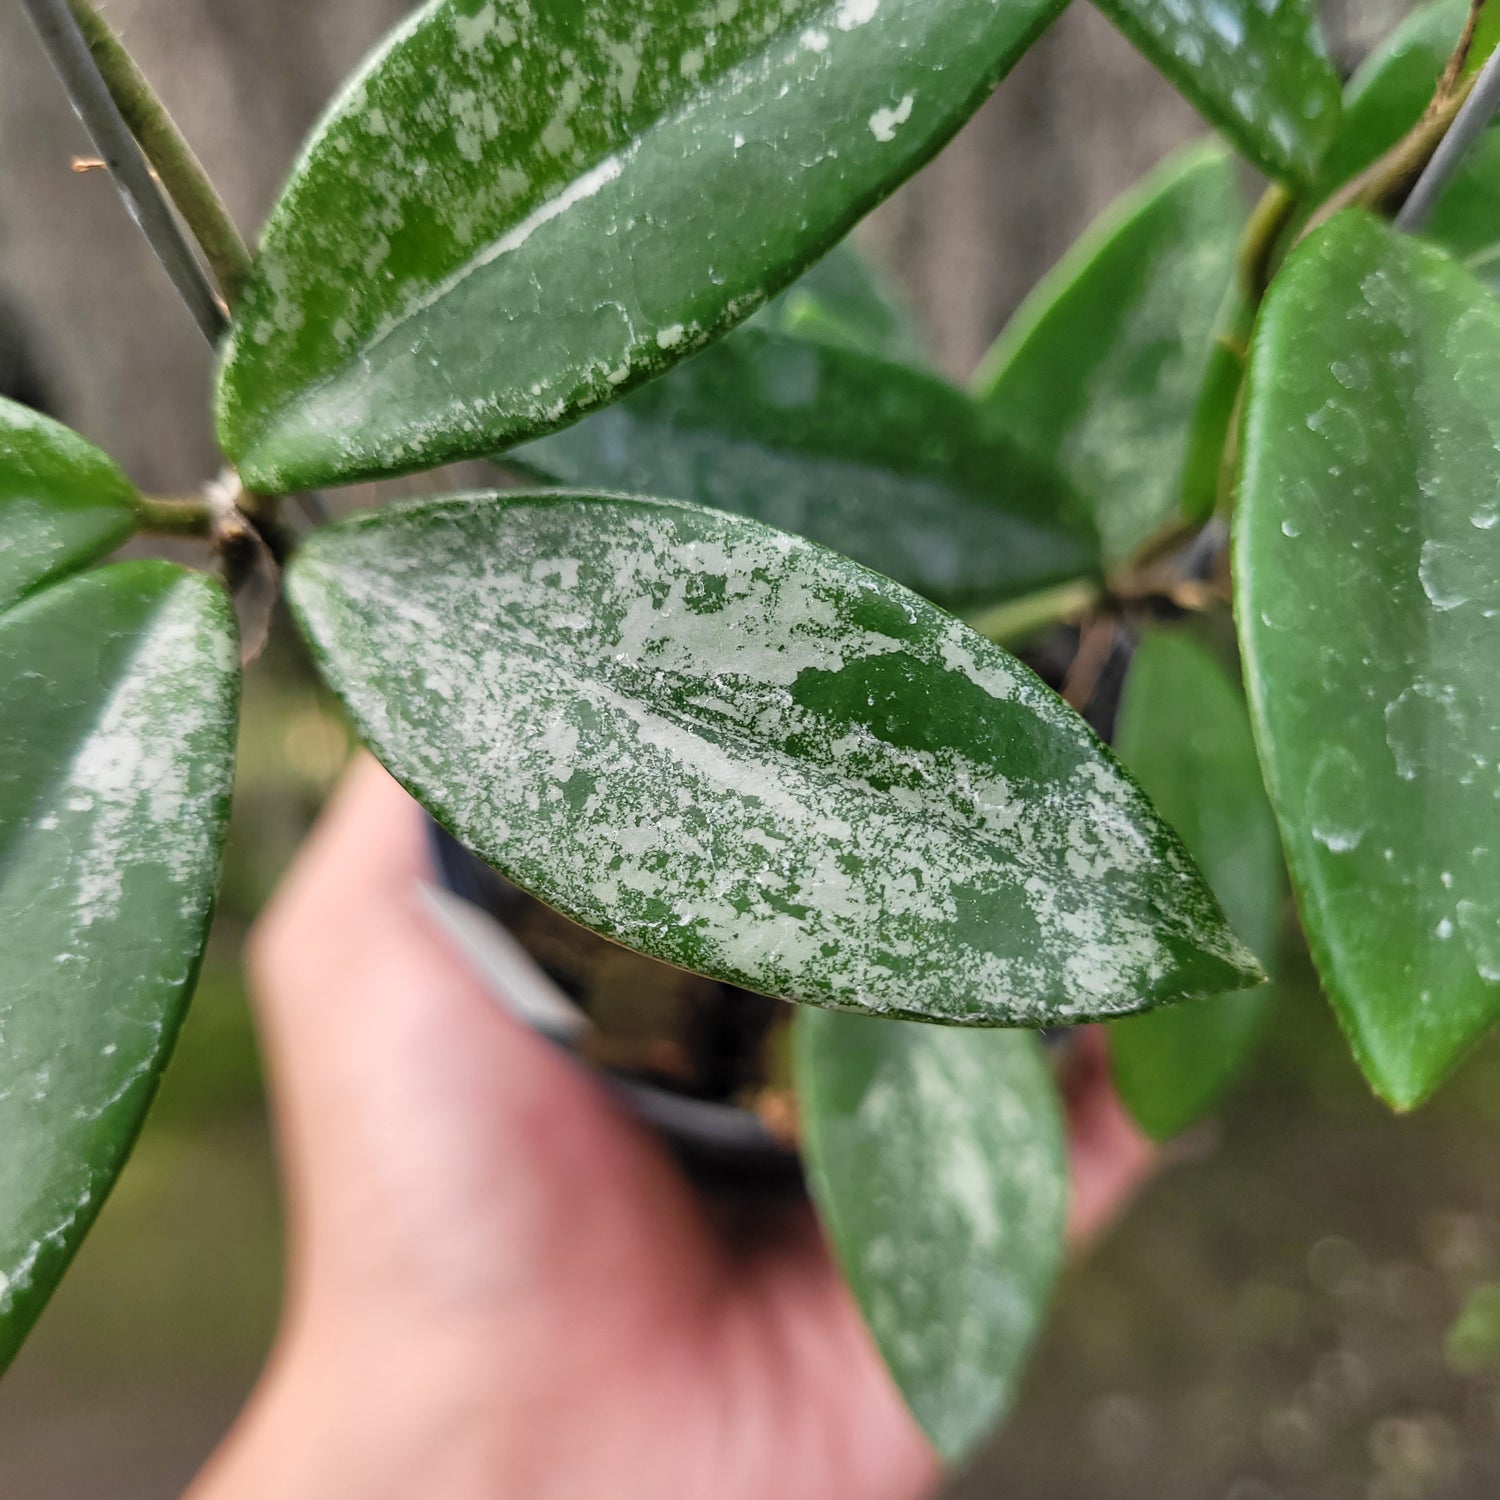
x,y
719,1144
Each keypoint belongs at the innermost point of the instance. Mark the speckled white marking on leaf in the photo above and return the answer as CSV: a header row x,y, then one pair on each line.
x,y
936,1161
506,188
736,751
114,775
1257,69
885,122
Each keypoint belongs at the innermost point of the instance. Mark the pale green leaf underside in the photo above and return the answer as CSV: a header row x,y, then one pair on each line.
x,y
936,1160
63,503
1184,732
1100,370
118,701
877,460
1368,598
1257,70
741,753
516,211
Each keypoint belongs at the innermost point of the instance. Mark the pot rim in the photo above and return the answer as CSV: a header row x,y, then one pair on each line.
x,y
716,1142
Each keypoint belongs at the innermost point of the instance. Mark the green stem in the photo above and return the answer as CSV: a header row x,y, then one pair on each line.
x,y
174,517
1472,119
1386,183
68,51
1263,232
1018,620
172,159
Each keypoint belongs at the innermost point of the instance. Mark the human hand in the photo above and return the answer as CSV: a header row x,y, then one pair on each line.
x,y
499,1284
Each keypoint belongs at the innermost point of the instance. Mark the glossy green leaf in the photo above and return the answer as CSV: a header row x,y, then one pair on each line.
x,y
118,700
1257,70
1485,39
63,503
1368,597
936,1159
1100,369
882,462
845,301
1208,469
1184,732
517,211
1386,98
741,753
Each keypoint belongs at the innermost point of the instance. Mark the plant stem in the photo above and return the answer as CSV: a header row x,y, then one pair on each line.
x,y
178,169
1388,180
1478,110
1096,645
69,52
1460,57
1016,621
1263,231
174,517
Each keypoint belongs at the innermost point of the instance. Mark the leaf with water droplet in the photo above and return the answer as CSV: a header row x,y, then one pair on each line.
x,y
1369,610
515,212
118,699
1257,71
882,462
63,503
1184,732
741,753
937,1163
1100,369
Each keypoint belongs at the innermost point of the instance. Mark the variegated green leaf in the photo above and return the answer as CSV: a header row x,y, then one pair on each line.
x,y
741,753
1257,69
937,1162
118,698
882,462
517,211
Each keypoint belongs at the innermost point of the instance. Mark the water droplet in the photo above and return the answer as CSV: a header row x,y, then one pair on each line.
x,y
1332,800
1444,572
1416,725
1482,935
1353,373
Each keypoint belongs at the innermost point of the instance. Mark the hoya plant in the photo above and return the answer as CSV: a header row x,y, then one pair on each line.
x,y
732,684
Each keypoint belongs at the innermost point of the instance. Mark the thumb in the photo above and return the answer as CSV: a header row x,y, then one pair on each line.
x,y
426,1135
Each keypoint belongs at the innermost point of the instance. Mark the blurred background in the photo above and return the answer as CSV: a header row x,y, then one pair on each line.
x,y
1306,1304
